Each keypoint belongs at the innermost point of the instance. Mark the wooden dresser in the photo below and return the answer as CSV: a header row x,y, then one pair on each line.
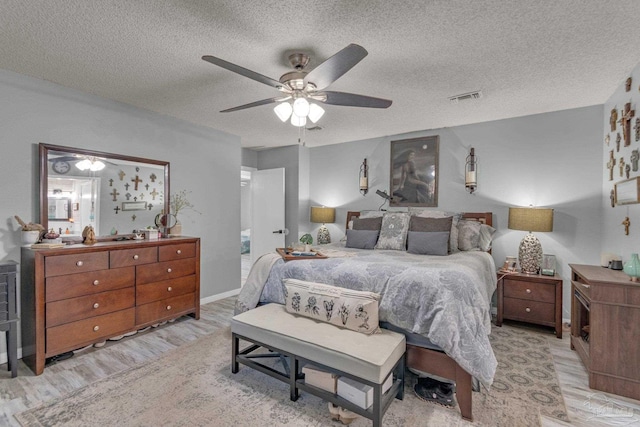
x,y
79,295
605,328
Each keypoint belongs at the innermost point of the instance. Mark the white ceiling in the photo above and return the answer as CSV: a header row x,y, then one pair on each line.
x,y
526,56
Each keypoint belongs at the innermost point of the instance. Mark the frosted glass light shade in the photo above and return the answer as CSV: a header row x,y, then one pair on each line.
x,y
315,112
283,111
83,164
298,121
301,107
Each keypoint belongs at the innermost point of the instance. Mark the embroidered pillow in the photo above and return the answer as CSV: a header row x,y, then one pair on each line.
x,y
468,235
367,223
355,310
486,237
362,239
428,243
393,234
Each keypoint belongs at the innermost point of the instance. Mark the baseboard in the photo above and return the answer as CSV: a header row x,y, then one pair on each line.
x,y
218,297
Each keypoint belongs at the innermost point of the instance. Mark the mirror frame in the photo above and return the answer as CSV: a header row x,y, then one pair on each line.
x,y
44,176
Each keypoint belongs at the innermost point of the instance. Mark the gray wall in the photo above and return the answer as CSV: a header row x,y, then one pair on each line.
x,y
201,159
550,160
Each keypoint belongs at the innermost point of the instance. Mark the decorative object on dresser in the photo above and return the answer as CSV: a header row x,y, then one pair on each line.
x,y
605,326
632,268
530,219
323,215
414,172
532,299
179,203
548,267
364,178
77,295
470,175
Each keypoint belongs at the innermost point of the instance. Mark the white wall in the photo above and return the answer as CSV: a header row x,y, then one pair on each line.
x,y
202,160
613,238
549,160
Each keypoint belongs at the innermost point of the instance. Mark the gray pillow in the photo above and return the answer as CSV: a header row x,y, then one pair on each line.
x,y
428,242
362,239
430,224
469,235
367,224
393,234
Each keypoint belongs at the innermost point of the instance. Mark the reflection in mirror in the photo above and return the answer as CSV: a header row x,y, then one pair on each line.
x,y
113,193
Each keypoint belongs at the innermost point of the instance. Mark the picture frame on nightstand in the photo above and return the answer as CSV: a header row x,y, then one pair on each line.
x,y
548,266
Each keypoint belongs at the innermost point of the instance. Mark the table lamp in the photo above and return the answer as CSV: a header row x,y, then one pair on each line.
x,y
323,215
530,219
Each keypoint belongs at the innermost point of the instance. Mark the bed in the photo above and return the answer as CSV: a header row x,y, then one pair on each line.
x,y
442,303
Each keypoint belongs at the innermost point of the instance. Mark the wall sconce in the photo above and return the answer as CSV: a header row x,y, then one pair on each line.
x,y
471,168
364,178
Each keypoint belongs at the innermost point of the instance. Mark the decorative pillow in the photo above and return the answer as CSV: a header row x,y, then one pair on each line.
x,y
367,223
468,235
393,234
486,237
362,239
455,217
371,214
355,310
428,243
430,224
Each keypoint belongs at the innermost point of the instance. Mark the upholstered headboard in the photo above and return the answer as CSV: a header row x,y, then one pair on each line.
x,y
483,217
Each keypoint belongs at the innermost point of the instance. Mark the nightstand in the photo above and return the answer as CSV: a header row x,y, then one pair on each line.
x,y
530,298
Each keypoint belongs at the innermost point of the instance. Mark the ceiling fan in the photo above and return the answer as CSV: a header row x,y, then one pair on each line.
x,y
303,86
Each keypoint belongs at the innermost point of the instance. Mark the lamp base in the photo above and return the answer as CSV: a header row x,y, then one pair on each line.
x,y
530,254
323,235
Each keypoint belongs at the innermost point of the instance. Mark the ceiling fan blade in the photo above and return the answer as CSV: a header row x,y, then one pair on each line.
x,y
355,100
243,71
256,104
333,68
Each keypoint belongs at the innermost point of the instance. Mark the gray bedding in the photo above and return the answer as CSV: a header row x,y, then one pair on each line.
x,y
444,298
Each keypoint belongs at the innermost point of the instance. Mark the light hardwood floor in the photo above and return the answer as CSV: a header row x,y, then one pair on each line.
x,y
585,407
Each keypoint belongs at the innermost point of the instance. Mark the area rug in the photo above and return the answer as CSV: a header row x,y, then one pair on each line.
x,y
193,386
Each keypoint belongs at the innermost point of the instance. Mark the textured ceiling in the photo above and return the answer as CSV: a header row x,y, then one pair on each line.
x,y
526,56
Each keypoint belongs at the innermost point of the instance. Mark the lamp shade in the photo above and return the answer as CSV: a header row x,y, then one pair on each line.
x,y
531,219
322,215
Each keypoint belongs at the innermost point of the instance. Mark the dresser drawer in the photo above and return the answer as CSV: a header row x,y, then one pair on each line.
x,y
83,332
164,271
129,257
164,309
75,285
76,263
529,311
165,289
529,290
72,309
177,251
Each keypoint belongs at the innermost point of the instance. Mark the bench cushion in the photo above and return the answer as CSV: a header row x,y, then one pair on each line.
x,y
371,357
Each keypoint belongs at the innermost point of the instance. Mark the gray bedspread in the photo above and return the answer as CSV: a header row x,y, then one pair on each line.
x,y
446,299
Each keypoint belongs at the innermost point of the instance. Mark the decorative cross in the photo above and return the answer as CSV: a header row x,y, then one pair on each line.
x,y
621,164
146,186
135,199
115,193
133,217
117,209
618,139
137,169
610,165
153,177
126,186
613,119
607,139
154,193
136,181
627,169
627,84
626,114
121,174
626,224
141,196
612,196
635,156
128,196
111,182
150,206
637,128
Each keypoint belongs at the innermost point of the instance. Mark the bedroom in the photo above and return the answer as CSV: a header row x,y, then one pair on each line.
x,y
556,157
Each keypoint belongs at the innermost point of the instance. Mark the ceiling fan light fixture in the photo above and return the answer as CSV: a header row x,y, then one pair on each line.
x,y
315,112
283,111
96,166
298,121
301,107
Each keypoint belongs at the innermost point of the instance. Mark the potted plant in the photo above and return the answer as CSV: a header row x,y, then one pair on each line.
x,y
307,240
178,203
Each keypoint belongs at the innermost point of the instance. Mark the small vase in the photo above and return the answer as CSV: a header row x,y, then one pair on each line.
x,y
307,248
176,230
30,237
632,268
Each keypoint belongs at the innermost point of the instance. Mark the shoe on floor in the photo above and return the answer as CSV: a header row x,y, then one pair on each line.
x,y
434,391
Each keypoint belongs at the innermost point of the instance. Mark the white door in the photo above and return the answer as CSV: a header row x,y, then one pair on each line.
x,y
267,212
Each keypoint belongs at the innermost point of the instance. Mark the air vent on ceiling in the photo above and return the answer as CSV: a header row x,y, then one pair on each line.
x,y
466,96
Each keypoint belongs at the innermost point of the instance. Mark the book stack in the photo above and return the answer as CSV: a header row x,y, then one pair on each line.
x,y
47,245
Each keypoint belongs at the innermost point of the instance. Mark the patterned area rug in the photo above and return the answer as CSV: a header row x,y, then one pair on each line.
x,y
193,385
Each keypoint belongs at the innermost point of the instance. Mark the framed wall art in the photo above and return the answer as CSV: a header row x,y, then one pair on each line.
x,y
414,172
134,206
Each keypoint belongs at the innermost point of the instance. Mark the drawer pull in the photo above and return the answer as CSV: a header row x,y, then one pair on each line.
x,y
96,305
528,310
178,251
169,270
168,307
528,291
136,256
96,282
79,263
169,289
96,328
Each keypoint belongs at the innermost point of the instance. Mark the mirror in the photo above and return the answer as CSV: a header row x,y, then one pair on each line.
x,y
114,193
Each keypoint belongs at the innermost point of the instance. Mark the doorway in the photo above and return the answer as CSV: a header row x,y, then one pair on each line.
x,y
245,222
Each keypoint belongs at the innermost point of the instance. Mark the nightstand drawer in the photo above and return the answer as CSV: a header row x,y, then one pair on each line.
x,y
529,311
521,289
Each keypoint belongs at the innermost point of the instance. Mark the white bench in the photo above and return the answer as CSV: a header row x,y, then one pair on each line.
x,y
369,359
